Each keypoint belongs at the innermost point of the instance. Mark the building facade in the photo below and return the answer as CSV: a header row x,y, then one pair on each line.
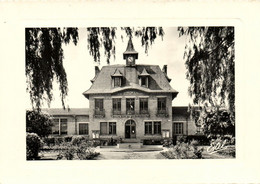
x,y
131,101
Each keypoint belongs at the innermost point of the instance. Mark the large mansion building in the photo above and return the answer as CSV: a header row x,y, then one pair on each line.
x,y
131,101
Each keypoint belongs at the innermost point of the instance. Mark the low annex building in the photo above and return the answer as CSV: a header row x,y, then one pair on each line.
x,y
131,101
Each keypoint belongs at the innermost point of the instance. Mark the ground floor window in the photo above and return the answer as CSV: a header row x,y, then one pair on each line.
x,y
60,126
152,127
103,128
178,128
83,129
157,127
148,127
107,128
112,128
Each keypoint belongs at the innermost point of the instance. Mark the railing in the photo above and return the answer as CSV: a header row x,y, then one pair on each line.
x,y
130,112
144,112
116,112
162,112
99,113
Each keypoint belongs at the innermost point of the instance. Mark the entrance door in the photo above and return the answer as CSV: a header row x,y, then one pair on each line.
x,y
130,131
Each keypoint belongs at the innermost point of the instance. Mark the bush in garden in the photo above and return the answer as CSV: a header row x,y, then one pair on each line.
x,y
33,146
69,153
78,149
77,140
184,151
49,141
38,122
167,143
68,138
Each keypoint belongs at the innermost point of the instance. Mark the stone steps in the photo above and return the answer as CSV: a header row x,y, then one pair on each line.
x,y
130,145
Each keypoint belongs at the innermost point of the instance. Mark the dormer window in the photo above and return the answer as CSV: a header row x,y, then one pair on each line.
x,y
117,82
144,78
144,81
117,79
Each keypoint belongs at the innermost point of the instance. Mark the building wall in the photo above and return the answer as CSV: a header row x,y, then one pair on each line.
x,y
189,127
166,122
73,122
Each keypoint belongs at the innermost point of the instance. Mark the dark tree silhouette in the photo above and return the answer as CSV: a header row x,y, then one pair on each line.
x,y
209,58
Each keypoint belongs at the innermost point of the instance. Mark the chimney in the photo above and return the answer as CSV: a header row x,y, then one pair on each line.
x,y
96,70
164,69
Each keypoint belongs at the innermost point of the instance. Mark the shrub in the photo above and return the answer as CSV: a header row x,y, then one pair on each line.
x,y
69,153
38,122
58,140
49,141
202,139
167,143
79,149
184,151
77,140
33,146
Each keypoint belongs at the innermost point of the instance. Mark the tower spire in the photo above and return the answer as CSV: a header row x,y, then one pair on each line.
x,y
130,51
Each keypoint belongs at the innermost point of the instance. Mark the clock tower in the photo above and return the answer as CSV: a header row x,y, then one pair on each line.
x,y
130,55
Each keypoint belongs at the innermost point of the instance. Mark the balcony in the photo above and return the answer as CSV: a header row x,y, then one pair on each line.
x,y
116,112
99,113
162,112
130,112
144,112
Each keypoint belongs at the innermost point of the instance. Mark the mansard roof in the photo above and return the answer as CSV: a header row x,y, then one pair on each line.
x,y
158,83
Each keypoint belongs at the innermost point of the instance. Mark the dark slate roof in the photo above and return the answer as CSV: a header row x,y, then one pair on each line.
x,y
158,82
67,112
130,48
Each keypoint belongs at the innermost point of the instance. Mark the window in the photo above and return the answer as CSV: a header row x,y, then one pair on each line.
x,y
157,127
130,105
178,128
161,106
103,128
143,105
116,105
63,126
117,82
99,104
112,128
60,126
56,126
152,127
148,127
83,129
99,110
144,81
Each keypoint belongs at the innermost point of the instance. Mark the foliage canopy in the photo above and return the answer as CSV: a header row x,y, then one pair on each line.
x,y
209,58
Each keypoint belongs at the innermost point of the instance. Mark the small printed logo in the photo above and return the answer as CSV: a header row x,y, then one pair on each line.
x,y
216,146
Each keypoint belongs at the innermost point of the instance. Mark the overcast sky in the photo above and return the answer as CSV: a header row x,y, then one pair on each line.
x,y
79,65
